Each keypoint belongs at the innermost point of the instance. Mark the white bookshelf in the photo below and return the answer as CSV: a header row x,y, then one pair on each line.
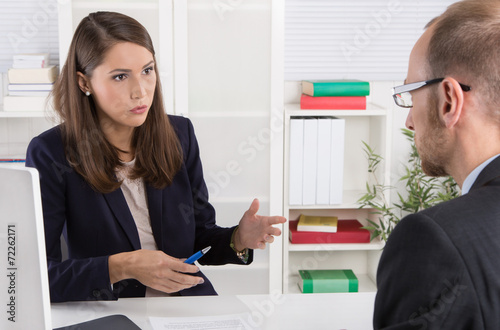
x,y
373,126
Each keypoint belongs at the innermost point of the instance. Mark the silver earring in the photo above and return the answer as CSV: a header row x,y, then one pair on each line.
x,y
87,93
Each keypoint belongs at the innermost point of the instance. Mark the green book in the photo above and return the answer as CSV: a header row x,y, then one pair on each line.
x,y
335,87
328,281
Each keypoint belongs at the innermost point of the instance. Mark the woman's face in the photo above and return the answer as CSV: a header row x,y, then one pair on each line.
x,y
122,87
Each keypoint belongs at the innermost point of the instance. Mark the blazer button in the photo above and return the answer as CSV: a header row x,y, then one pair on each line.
x,y
96,293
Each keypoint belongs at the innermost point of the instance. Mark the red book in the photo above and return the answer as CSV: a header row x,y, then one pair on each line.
x,y
348,231
332,102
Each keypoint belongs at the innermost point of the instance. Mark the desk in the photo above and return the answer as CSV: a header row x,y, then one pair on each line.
x,y
272,311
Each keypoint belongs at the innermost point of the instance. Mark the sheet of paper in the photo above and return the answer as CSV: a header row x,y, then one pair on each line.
x,y
229,322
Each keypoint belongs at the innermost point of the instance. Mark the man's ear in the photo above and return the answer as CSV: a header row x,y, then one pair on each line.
x,y
83,82
452,101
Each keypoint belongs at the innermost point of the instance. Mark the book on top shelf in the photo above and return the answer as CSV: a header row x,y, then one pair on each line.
x,y
335,87
348,231
46,75
30,76
317,223
332,102
31,57
29,93
327,281
30,61
30,87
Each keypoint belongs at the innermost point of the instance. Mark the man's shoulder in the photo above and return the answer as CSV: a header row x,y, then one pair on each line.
x,y
483,202
458,220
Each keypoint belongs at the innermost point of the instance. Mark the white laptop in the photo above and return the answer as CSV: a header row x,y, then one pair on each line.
x,y
24,287
24,284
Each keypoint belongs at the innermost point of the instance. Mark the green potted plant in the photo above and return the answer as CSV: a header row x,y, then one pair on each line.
x,y
422,191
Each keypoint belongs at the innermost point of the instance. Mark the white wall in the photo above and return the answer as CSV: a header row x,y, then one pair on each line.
x,y
16,133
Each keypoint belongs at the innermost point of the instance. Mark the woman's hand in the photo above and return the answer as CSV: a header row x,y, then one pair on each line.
x,y
255,230
154,269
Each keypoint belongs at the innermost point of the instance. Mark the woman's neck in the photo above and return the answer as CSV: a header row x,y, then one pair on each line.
x,y
121,138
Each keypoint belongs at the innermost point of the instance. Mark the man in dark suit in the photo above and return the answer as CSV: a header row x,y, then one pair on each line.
x,y
440,268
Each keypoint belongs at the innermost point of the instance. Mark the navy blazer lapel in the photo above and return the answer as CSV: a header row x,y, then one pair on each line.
x,y
488,174
119,207
155,213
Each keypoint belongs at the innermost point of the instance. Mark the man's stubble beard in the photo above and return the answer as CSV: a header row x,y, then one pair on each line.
x,y
433,145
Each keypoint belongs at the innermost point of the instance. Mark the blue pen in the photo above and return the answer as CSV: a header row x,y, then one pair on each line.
x,y
197,255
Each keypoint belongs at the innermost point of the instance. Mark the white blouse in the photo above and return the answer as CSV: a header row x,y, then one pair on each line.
x,y
135,195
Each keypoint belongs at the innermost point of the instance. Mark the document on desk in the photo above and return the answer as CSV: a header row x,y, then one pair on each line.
x,y
230,322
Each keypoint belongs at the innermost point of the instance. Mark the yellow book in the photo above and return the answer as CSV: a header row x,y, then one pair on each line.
x,y
317,223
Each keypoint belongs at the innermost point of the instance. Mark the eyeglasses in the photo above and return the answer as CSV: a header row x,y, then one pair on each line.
x,y
402,95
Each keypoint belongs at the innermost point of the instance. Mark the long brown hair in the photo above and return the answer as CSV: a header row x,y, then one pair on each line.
x,y
158,155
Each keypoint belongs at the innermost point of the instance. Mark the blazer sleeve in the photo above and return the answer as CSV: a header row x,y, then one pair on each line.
x,y
71,279
422,280
207,232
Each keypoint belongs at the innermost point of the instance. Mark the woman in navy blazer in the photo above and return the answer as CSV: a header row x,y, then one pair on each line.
x,y
109,99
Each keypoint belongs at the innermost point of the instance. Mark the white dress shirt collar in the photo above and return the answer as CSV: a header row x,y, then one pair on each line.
x,y
471,178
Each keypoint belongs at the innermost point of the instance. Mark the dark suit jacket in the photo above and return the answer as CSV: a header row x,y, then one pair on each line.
x,y
98,225
440,268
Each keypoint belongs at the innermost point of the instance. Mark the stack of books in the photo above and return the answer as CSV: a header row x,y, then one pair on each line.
x,y
328,281
334,94
31,79
347,231
316,160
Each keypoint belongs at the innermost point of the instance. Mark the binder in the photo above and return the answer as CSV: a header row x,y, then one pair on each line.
x,y
310,161
337,161
296,160
323,162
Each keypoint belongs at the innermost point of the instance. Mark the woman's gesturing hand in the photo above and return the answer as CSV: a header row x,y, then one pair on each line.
x,y
256,230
